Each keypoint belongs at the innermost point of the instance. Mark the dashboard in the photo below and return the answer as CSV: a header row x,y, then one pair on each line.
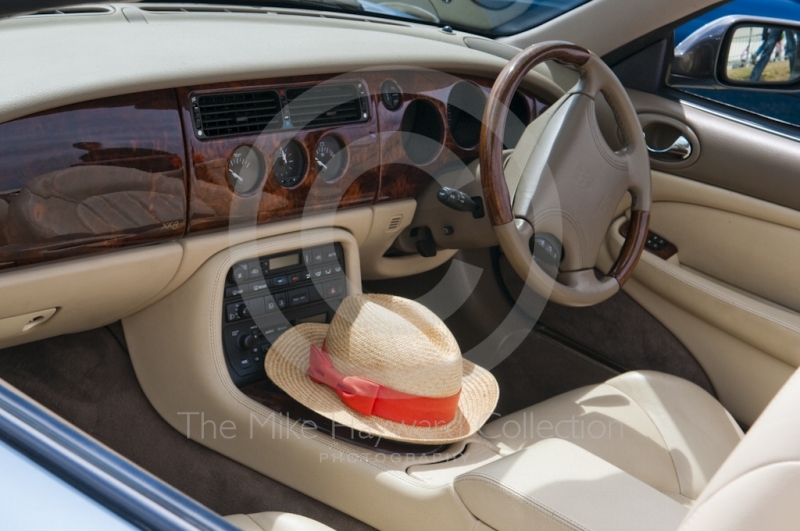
x,y
163,164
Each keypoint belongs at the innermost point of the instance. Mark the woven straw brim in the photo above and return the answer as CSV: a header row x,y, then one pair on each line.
x,y
286,365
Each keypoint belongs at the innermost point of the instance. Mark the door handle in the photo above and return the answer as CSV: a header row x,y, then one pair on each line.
x,y
681,148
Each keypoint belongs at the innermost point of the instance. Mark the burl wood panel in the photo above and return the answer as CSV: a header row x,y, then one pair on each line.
x,y
378,169
632,249
91,177
213,203
400,177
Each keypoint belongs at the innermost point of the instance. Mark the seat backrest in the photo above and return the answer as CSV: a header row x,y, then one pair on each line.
x,y
758,486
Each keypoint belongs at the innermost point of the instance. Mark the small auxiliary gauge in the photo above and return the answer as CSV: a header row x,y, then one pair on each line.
x,y
290,164
245,170
330,158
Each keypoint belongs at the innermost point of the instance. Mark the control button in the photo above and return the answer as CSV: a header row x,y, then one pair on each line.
x,y
337,269
245,363
308,257
241,272
236,311
298,297
329,252
270,305
279,281
256,306
334,288
280,298
294,278
255,287
234,291
254,268
265,348
232,313
258,358
316,273
264,267
247,341
327,271
318,255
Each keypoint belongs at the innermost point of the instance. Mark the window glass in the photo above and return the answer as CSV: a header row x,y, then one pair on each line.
x,y
777,106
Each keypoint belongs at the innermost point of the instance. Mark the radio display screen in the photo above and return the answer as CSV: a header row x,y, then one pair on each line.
x,y
284,261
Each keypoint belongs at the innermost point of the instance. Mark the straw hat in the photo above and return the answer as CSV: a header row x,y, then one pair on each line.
x,y
386,366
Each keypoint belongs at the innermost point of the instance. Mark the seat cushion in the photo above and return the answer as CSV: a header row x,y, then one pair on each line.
x,y
275,521
555,485
663,430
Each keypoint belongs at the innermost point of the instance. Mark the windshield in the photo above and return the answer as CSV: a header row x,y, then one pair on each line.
x,y
492,18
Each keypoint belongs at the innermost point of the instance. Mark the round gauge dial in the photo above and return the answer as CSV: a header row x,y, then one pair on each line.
x,y
290,164
245,170
330,158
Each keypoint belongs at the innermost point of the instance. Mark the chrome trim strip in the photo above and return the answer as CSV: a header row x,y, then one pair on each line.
x,y
741,121
112,480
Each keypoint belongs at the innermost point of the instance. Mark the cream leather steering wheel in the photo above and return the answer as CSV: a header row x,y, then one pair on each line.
x,y
567,181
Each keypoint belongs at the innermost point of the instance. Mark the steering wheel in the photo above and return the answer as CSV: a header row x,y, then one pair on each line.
x,y
567,181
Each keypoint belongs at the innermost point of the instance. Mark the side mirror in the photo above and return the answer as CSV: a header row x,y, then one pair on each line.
x,y
742,52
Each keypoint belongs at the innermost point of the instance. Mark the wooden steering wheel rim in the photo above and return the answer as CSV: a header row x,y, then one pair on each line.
x,y
495,190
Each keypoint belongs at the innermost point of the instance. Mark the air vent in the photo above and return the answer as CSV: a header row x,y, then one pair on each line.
x,y
327,104
236,113
394,223
75,10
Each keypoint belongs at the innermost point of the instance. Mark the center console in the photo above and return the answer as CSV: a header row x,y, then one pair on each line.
x,y
266,296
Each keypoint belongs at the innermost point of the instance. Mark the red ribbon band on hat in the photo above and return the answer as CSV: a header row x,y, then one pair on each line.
x,y
370,398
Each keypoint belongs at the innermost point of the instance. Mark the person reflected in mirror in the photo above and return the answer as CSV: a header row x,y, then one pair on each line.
x,y
774,42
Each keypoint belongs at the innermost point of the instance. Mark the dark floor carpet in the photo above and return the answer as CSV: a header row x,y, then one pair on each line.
x,y
88,379
549,369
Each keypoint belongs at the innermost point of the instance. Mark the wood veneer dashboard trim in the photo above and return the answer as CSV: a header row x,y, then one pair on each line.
x,y
152,132
91,155
378,168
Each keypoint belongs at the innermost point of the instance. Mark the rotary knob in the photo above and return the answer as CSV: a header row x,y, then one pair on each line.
x,y
247,341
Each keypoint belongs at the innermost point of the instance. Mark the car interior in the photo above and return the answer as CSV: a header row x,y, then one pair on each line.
x,y
183,183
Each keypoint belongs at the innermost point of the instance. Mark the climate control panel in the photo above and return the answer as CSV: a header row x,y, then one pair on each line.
x,y
266,296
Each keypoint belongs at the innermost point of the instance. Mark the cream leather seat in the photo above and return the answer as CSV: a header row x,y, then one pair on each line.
x,y
275,521
660,429
556,484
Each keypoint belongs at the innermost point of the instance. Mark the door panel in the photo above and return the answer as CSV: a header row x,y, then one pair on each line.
x,y
732,293
733,155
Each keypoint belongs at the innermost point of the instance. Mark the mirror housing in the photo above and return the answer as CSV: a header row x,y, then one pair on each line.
x,y
726,53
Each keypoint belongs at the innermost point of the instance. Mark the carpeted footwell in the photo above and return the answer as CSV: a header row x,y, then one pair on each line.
x,y
88,379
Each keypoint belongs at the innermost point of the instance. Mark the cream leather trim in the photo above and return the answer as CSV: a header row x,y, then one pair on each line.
x,y
763,326
87,292
275,521
756,488
556,485
747,345
374,266
176,350
269,42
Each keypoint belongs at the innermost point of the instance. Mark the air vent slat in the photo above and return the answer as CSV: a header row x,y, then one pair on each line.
x,y
326,105
236,113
